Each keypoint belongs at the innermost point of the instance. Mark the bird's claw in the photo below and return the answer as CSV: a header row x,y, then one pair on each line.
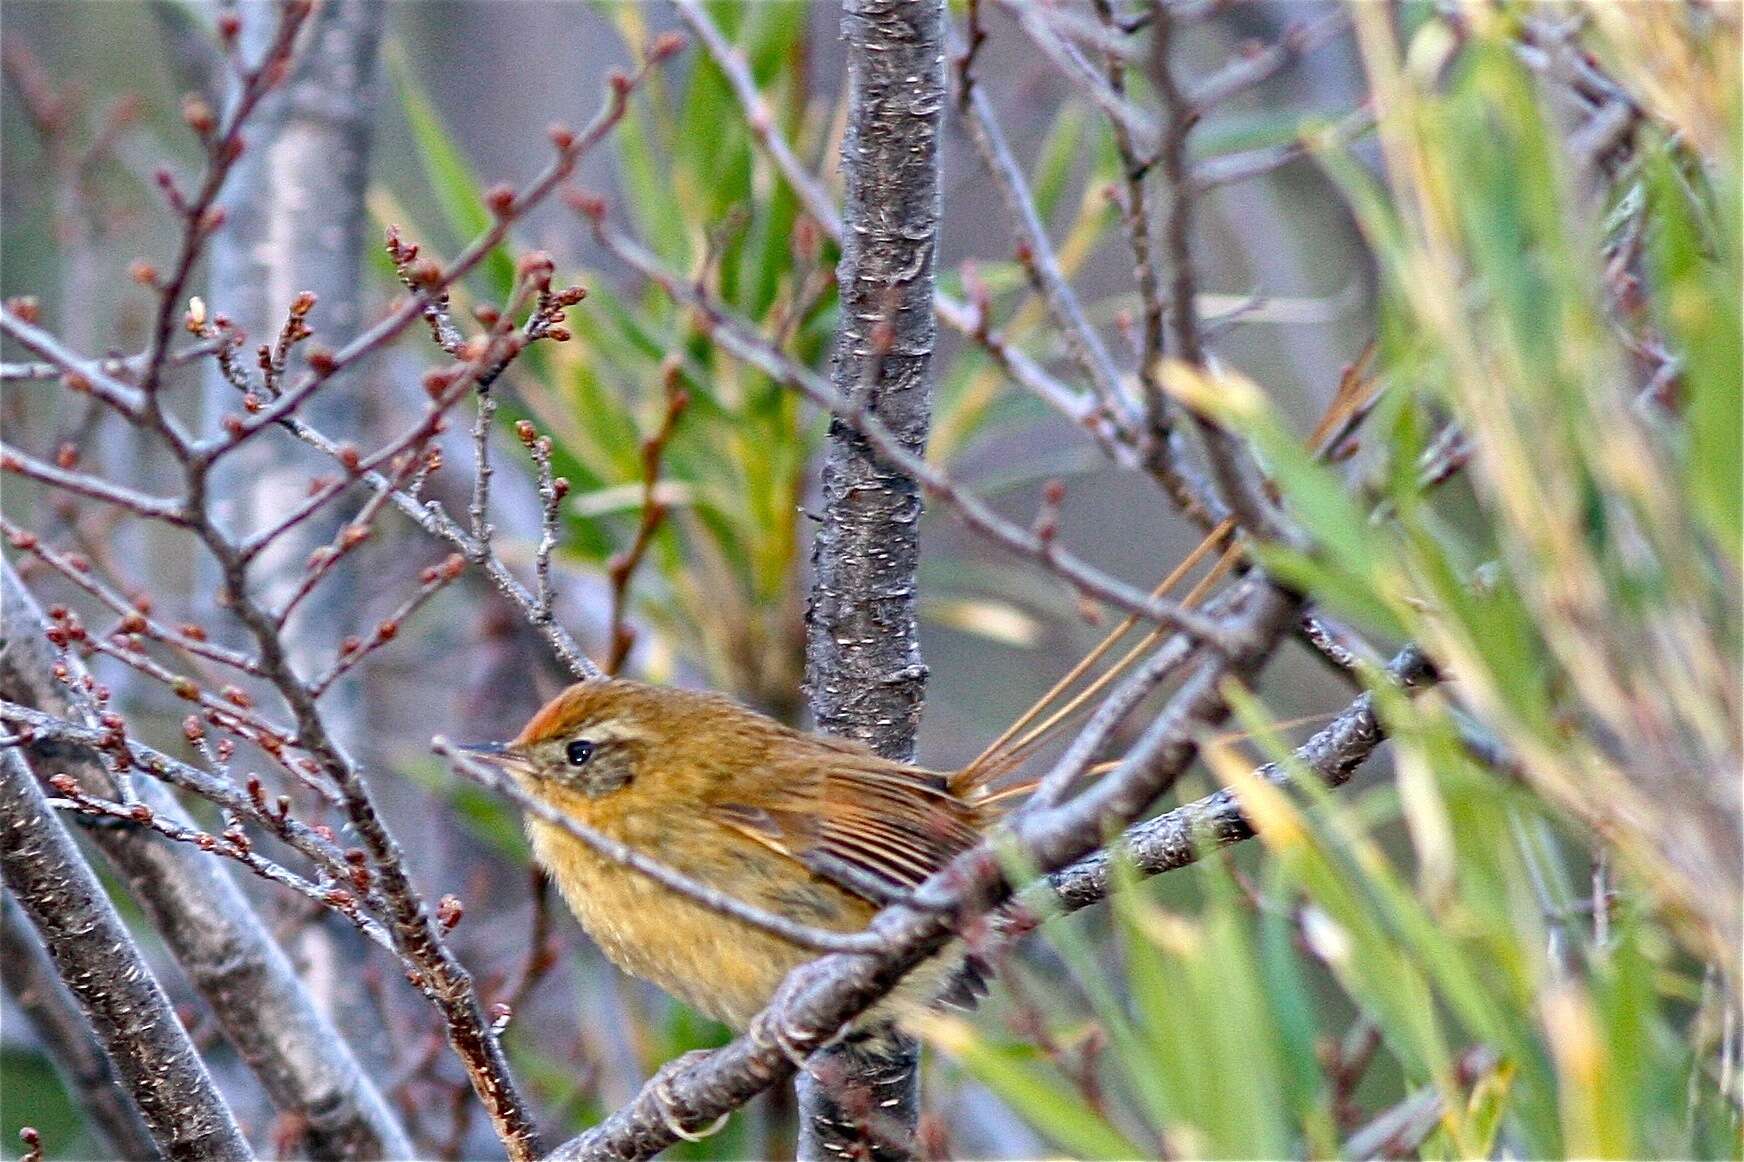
x,y
765,1032
668,1104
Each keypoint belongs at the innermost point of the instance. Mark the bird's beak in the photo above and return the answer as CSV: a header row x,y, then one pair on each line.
x,y
497,754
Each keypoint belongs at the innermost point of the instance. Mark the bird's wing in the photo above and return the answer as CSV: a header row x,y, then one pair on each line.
x,y
874,827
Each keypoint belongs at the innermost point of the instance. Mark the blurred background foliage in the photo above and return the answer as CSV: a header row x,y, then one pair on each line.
x,y
1437,961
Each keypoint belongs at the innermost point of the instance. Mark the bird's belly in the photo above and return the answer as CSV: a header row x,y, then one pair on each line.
x,y
718,965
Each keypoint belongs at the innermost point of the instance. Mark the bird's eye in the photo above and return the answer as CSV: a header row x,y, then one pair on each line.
x,y
578,752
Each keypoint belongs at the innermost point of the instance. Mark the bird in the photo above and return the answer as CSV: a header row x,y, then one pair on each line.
x,y
817,829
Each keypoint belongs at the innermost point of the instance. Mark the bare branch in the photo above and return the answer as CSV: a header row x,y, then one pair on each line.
x,y
94,487
962,317
1184,835
72,1046
1255,68
214,934
1036,254
734,337
1238,480
100,964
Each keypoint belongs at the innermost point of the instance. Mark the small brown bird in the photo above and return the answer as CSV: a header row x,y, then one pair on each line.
x,y
819,830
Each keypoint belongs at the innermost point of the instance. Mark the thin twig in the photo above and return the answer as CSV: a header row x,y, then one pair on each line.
x,y
803,935
734,337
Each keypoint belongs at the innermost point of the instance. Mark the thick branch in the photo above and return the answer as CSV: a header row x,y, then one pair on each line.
x,y
863,665
102,966
72,1046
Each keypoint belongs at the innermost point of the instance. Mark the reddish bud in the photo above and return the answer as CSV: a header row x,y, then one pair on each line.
x,y
501,199
132,623
486,314
64,783
665,46
558,334
561,135
536,267
527,432
560,487
302,304
348,456
141,813
76,381
185,688
453,566
586,203
449,910
354,535
233,425
436,382
237,696
143,273
193,729
350,645
198,115
1054,491
229,27
193,632
321,360
426,273
387,630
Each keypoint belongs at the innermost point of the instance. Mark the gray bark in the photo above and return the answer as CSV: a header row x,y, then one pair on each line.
x,y
73,1048
1185,834
863,663
295,221
101,965
212,931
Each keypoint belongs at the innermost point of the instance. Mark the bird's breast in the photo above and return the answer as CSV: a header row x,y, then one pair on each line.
x,y
718,965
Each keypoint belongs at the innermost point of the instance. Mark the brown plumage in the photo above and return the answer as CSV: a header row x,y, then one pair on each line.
x,y
819,830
